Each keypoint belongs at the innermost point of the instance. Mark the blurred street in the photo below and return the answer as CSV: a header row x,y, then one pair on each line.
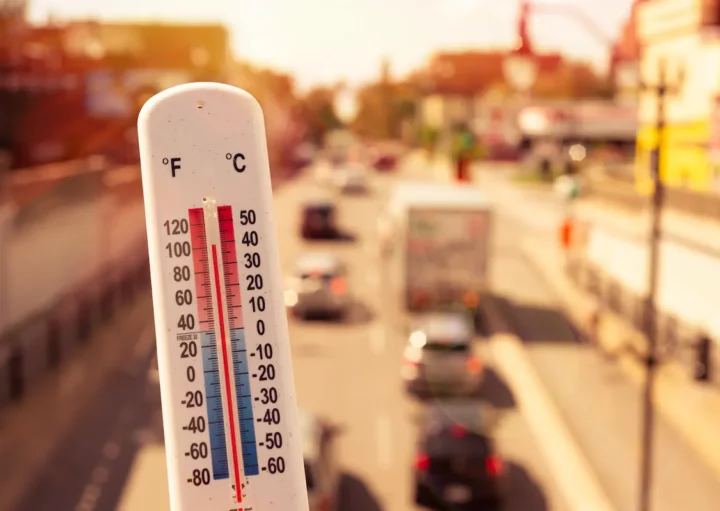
x,y
105,449
347,372
499,233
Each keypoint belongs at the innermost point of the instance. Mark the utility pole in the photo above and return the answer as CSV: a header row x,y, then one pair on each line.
x,y
661,90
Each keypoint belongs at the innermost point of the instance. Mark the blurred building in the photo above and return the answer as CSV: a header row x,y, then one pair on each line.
x,y
685,36
82,83
454,85
284,125
470,89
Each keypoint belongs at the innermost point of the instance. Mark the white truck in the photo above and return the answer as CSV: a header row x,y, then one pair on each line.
x,y
436,242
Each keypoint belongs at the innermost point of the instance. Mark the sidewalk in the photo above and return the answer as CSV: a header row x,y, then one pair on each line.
x,y
693,409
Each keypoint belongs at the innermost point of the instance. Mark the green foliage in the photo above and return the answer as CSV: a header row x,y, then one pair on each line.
x,y
383,108
428,136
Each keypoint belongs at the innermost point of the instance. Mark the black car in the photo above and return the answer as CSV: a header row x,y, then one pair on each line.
x,y
456,464
319,221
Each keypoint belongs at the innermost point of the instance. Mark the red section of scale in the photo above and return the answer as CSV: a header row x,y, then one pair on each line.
x,y
201,268
230,267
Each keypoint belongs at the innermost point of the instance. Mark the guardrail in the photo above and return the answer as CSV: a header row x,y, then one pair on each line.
x,y
72,250
621,191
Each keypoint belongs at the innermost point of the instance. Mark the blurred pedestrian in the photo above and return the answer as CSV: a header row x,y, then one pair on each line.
x,y
464,144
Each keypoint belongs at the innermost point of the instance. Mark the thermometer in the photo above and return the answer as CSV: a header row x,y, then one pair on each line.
x,y
226,379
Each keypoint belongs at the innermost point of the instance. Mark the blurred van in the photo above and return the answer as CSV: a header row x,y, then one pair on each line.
x,y
436,242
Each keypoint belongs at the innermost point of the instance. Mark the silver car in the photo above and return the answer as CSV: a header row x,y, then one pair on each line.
x,y
319,287
441,356
352,178
322,473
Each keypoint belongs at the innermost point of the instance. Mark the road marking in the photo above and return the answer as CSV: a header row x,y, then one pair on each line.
x,y
383,430
89,498
571,471
378,335
93,490
111,450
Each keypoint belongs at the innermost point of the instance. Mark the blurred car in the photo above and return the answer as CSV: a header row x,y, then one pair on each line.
x,y
322,474
385,162
304,154
319,219
457,465
351,178
319,287
441,356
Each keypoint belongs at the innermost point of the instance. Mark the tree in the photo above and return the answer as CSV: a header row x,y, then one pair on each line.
x,y
382,108
572,81
317,112
12,103
276,94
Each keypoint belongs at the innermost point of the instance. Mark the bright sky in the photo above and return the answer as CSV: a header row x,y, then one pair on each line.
x,y
321,41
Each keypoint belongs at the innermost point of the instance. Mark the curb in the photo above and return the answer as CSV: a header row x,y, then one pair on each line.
x,y
619,340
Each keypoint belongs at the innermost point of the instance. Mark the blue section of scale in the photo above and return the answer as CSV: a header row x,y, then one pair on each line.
x,y
213,400
244,402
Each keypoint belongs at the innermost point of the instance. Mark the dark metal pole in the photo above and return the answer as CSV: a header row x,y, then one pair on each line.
x,y
650,323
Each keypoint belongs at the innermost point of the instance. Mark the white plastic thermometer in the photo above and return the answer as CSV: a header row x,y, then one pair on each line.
x,y
226,379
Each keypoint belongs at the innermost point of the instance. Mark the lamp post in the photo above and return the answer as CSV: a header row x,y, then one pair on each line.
x,y
661,90
520,70
519,66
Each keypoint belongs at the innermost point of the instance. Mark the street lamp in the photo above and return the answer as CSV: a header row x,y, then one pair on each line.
x,y
520,69
346,105
520,66
661,89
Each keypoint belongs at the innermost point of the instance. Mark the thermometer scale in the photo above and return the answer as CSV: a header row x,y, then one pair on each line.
x,y
228,397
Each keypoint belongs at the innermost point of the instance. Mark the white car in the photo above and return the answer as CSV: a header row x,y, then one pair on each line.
x,y
442,357
351,178
318,287
322,473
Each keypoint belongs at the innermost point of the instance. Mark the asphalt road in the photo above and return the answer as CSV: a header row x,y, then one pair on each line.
x,y
91,438
600,406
